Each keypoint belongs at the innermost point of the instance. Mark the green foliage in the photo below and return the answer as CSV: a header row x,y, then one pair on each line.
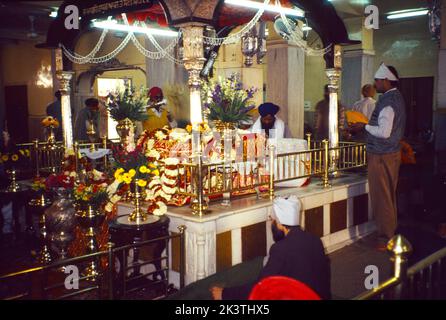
x,y
128,103
227,101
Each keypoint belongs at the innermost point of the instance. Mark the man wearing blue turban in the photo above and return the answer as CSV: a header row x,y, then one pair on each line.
x,y
272,126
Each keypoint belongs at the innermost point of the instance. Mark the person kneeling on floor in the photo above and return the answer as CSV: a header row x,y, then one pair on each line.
x,y
296,254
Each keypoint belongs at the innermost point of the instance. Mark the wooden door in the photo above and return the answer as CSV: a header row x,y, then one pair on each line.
x,y
16,103
418,95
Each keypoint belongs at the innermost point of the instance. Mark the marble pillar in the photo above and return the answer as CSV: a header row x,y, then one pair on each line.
x,y
64,79
163,71
285,83
358,70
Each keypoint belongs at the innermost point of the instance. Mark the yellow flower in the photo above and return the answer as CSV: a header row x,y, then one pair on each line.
x,y
118,173
143,169
126,177
151,165
142,183
132,173
156,172
5,157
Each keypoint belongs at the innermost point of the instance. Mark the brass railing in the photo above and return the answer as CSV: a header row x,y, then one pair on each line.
x,y
202,180
47,157
424,280
50,281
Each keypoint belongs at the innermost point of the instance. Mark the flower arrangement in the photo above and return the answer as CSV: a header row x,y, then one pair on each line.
x,y
49,121
133,166
64,180
15,158
95,195
128,104
225,100
39,184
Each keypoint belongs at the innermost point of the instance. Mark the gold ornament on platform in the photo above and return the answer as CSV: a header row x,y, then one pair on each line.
x,y
90,218
138,215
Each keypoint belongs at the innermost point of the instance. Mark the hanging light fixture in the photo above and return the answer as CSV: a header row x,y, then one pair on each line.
x,y
261,51
249,46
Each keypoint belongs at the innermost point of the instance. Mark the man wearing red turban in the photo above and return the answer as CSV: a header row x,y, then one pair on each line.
x,y
159,117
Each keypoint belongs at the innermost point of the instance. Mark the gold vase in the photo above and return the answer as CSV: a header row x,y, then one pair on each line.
x,y
51,136
124,128
138,215
222,125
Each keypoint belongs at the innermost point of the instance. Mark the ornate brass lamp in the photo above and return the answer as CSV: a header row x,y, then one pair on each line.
x,y
13,186
39,204
90,219
91,133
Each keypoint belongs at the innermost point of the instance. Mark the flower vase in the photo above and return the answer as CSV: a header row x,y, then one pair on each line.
x,y
222,125
60,221
51,139
126,131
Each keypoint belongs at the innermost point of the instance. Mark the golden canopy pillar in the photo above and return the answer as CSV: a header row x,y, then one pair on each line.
x,y
191,16
193,62
333,75
64,78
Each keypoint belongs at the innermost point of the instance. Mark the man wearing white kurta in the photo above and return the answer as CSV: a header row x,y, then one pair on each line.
x,y
367,104
384,132
269,124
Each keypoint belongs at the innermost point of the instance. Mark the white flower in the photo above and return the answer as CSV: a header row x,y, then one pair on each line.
x,y
155,181
97,175
160,135
150,144
109,207
115,198
171,161
169,190
161,210
173,173
111,189
153,154
170,182
72,174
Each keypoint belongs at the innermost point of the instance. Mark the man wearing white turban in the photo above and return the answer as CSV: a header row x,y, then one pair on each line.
x,y
296,254
384,133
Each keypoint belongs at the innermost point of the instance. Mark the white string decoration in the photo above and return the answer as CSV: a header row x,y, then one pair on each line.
x,y
161,53
235,37
297,39
83,60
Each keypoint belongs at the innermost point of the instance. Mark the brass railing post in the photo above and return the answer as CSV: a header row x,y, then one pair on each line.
x,y
199,206
308,140
36,155
325,181
182,230
76,160
401,248
111,269
271,171
104,145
